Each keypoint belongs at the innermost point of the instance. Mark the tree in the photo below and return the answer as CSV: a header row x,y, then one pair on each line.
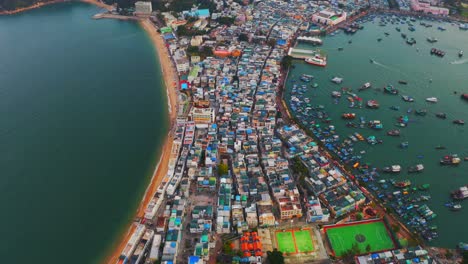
x,y
368,248
286,62
243,37
359,216
225,20
272,42
275,257
465,257
223,169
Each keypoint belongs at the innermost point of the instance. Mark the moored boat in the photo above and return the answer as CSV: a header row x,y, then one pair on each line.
x,y
458,122
317,60
402,184
394,132
407,98
431,99
402,82
452,159
432,40
336,94
437,52
373,104
375,124
424,187
460,53
441,115
411,41
392,169
390,90
348,116
464,96
365,86
461,193
421,112
416,168
337,80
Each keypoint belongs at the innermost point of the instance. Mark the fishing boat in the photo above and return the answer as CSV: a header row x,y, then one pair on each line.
x,y
452,159
402,184
336,94
390,90
395,107
441,115
432,40
340,48
315,85
411,41
371,61
439,147
460,53
424,187
375,124
398,29
392,169
307,76
421,112
379,39
437,52
416,168
305,79
411,29
317,60
459,122
464,96
431,99
337,80
402,82
461,193
394,132
365,86
373,104
348,116
404,144
403,35
441,28
454,206
407,98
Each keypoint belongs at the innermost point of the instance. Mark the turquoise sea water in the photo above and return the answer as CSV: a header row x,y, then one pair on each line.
x,y
395,60
83,114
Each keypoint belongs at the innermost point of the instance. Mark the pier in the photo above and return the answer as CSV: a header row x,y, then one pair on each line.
x,y
301,53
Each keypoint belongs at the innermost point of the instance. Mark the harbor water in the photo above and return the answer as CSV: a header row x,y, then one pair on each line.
x,y
362,58
83,115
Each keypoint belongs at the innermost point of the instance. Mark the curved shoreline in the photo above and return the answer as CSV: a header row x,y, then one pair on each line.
x,y
41,4
169,76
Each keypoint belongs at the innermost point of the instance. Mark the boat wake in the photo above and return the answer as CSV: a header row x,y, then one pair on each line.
x,y
382,65
459,61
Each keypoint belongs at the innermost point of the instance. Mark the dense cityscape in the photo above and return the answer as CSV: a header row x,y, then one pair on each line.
x,y
248,180
245,180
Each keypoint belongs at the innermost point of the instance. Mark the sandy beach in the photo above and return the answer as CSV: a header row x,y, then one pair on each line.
x,y
170,75
23,9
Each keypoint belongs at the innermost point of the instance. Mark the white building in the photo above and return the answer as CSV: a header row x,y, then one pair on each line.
x,y
143,8
329,17
183,65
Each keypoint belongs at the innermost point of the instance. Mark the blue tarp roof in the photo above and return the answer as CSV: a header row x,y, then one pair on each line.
x,y
194,259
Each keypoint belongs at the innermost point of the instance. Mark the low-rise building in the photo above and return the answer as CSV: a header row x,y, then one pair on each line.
x,y
329,17
143,8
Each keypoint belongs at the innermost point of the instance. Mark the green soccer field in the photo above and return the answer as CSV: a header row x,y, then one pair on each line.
x,y
373,234
304,241
285,242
